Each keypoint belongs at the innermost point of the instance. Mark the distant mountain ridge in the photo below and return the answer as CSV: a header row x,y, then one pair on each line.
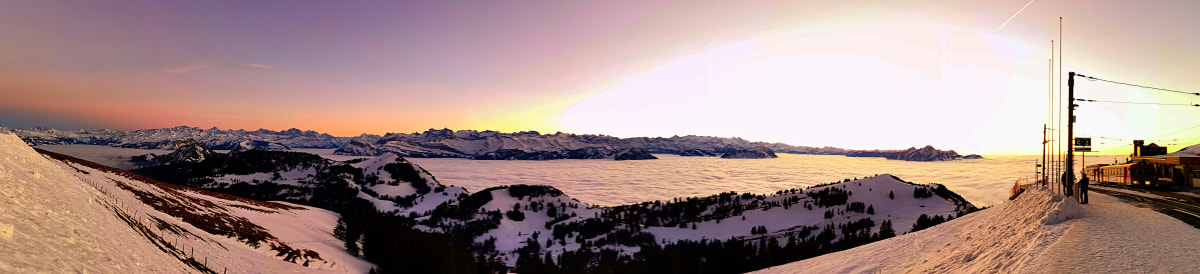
x,y
470,144
532,145
925,154
164,138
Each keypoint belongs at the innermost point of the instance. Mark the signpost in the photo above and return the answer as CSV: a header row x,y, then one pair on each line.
x,y
1083,146
1083,142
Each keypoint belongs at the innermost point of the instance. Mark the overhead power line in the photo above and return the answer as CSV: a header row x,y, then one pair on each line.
x,y
1136,85
1135,103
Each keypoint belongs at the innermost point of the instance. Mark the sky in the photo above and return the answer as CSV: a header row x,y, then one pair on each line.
x,y
850,74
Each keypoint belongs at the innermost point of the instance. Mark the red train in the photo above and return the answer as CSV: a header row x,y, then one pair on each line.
x,y
1135,174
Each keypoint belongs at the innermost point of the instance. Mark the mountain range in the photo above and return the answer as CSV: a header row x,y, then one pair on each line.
x,y
165,138
470,144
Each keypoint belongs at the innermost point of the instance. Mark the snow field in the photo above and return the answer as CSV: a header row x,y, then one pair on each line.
x,y
512,235
424,203
1039,232
138,237
299,228
903,211
53,222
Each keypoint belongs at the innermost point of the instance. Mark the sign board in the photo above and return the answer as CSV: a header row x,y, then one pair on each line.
x,y
1083,149
1083,142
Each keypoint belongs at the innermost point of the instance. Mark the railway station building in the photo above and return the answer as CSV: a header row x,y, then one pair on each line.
x,y
1179,170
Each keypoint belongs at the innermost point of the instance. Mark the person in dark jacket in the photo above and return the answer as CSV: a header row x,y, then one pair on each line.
x,y
1083,189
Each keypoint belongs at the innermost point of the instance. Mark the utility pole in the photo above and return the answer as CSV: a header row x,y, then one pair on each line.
x,y
1043,174
1070,132
1046,166
1058,129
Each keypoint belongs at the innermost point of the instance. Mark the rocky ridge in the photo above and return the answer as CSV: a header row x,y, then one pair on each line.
x,y
186,150
756,152
635,153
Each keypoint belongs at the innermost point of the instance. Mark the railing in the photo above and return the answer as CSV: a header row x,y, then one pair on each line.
x,y
1021,185
175,246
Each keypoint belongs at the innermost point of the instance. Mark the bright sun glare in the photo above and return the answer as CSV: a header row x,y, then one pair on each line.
x,y
825,99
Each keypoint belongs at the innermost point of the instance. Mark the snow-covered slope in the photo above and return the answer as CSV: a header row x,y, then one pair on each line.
x,y
521,219
391,183
51,221
401,180
1039,232
887,198
104,220
533,221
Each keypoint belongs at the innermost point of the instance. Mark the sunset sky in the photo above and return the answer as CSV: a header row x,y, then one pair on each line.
x,y
851,74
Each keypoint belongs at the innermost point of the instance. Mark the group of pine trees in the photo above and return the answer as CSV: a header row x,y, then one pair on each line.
x,y
394,246
713,256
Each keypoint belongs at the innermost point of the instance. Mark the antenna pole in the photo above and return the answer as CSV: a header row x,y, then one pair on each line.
x,y
1058,129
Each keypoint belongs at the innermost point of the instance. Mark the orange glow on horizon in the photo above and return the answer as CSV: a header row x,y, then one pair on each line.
x,y
860,75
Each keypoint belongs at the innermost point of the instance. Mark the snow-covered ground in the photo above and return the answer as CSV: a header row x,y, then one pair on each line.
x,y
426,202
512,235
40,232
902,209
65,216
1039,232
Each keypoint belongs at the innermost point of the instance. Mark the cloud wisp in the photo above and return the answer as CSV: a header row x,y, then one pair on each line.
x,y
258,66
194,67
190,68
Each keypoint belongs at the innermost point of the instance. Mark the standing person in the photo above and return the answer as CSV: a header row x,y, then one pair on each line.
x,y
1083,189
